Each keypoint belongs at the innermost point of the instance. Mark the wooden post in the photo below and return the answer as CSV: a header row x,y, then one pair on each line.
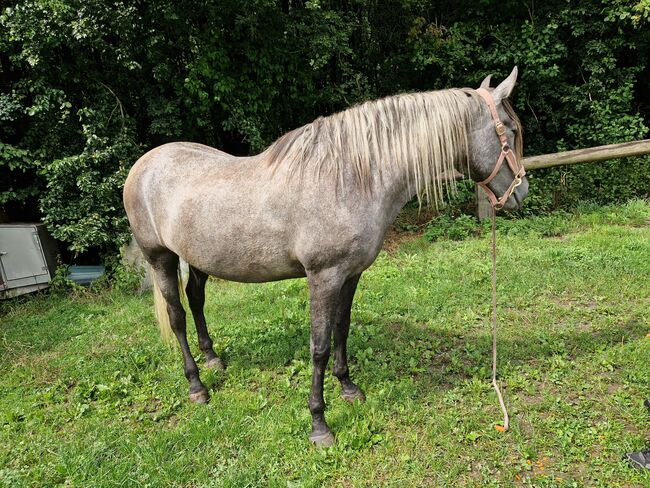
x,y
578,156
483,205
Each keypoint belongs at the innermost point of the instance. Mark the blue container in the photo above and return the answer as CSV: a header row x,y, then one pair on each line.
x,y
85,275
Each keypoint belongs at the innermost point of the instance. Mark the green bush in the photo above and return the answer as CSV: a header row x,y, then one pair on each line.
x,y
82,201
554,224
61,284
447,227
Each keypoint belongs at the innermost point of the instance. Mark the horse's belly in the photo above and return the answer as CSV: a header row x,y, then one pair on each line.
x,y
246,260
255,273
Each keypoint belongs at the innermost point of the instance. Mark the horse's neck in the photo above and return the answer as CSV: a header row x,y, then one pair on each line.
x,y
389,194
396,185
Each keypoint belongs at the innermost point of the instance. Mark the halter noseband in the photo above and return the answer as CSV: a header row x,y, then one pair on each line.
x,y
506,153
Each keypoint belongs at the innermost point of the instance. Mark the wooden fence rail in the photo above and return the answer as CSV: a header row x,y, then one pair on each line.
x,y
589,155
579,156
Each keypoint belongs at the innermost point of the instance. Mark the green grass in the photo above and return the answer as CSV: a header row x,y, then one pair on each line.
x,y
89,396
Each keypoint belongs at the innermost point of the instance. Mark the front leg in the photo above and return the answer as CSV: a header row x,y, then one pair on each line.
x,y
349,391
324,288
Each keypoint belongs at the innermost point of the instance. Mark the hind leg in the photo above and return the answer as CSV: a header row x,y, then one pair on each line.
x,y
195,290
349,391
165,268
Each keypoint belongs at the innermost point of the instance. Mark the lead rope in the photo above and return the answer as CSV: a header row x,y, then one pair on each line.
x,y
506,419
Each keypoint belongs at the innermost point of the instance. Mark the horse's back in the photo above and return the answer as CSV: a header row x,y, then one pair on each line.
x,y
198,150
178,154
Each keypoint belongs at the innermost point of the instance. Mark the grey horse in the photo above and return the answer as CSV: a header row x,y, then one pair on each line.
x,y
316,204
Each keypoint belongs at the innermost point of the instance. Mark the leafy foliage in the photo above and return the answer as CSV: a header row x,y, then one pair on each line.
x,y
552,224
86,87
445,226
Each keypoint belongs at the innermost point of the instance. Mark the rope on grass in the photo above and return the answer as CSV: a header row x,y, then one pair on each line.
x,y
495,384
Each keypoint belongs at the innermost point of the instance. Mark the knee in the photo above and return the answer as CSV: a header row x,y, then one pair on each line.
x,y
320,354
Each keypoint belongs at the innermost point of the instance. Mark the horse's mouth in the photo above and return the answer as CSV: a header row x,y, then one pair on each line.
x,y
520,194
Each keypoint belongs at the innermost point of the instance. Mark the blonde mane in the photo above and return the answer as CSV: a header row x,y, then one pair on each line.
x,y
423,135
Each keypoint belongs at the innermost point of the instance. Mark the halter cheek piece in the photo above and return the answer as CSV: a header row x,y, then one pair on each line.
x,y
506,153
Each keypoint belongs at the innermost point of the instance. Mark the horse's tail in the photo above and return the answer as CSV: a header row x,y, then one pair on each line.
x,y
160,308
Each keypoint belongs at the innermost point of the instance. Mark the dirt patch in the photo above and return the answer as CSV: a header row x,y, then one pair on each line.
x,y
409,225
395,239
571,303
585,326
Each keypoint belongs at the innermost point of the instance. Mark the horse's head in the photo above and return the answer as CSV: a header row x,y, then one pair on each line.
x,y
495,146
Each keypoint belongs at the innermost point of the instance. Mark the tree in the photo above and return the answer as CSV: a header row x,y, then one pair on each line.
x,y
87,86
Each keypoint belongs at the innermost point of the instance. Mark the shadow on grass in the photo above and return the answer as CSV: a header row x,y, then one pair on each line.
x,y
434,357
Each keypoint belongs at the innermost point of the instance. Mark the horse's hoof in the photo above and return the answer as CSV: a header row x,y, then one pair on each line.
x,y
352,395
322,439
201,396
215,363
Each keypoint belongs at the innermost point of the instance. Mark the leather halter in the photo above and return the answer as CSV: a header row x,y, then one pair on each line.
x,y
506,153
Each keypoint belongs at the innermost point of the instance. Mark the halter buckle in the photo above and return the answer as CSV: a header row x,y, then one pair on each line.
x,y
500,128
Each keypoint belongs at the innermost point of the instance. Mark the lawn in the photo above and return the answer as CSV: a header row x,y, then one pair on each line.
x,y
89,396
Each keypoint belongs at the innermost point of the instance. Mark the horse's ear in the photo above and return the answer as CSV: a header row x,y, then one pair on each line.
x,y
505,88
486,82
